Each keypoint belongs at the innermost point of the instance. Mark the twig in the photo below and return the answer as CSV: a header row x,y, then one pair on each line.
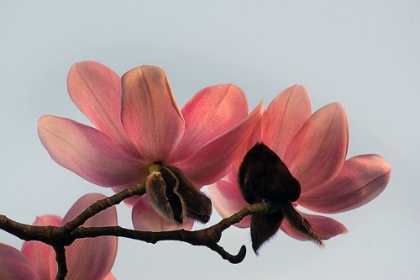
x,y
101,205
60,257
46,234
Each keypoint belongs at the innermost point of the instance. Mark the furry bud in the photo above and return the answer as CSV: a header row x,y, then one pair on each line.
x,y
175,197
264,177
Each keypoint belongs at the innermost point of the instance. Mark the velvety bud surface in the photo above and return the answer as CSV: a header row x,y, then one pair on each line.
x,y
174,196
263,174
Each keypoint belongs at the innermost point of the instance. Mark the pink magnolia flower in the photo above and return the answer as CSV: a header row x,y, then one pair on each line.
x,y
313,147
138,123
89,258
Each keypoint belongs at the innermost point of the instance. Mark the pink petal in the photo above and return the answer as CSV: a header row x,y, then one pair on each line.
x,y
232,176
96,89
89,153
246,145
47,220
210,113
149,114
145,218
284,117
41,255
228,200
317,153
110,276
324,227
91,258
361,179
250,141
14,265
213,161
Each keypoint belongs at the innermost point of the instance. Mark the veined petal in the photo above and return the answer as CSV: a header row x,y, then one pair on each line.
x,y
91,258
243,149
96,89
41,255
250,141
89,153
213,161
324,227
149,114
228,200
361,179
146,218
317,152
14,265
284,117
211,112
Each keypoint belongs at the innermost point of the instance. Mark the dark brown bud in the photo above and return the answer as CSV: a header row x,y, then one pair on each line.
x,y
263,227
175,197
299,223
264,177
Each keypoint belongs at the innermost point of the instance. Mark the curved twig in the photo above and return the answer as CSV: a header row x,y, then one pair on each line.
x,y
235,259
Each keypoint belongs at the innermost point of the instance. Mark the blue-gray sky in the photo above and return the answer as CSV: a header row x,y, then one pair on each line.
x,y
363,54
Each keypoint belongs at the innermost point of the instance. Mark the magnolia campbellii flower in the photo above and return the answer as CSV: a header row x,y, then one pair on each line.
x,y
88,258
138,124
313,147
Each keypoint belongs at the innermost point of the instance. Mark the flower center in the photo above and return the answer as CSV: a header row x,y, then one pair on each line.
x,y
154,167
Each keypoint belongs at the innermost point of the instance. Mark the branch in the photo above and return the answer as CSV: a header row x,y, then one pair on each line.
x,y
46,234
58,237
208,237
53,235
60,257
102,205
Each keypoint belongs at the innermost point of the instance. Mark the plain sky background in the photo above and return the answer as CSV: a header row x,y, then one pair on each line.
x,y
363,54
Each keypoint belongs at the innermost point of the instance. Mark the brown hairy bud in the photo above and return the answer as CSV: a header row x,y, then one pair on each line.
x,y
175,197
263,176
163,199
300,223
263,227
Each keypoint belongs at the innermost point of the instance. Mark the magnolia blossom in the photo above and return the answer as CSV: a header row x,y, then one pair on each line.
x,y
86,258
313,147
138,124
